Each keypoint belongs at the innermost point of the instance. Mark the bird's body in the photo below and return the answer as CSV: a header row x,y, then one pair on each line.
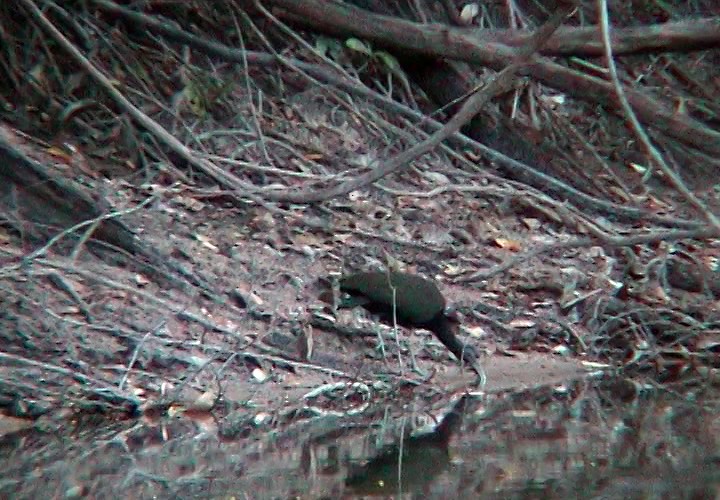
x,y
415,301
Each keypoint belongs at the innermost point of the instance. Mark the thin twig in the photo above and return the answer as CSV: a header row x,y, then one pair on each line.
x,y
502,82
637,127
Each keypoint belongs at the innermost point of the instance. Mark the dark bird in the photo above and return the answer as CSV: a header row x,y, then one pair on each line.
x,y
417,303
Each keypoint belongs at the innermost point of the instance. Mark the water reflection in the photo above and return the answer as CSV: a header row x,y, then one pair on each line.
x,y
602,439
413,463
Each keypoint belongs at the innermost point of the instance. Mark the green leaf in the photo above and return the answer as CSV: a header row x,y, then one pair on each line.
x,y
358,46
388,60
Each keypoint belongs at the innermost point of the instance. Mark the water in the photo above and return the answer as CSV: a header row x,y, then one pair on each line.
x,y
586,439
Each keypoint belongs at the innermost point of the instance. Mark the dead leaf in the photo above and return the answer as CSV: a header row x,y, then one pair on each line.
x,y
141,280
260,375
507,244
205,402
561,350
477,332
469,12
451,270
522,323
532,223
205,241
260,418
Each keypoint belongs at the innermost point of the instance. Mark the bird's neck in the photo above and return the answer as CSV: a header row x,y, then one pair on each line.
x,y
444,330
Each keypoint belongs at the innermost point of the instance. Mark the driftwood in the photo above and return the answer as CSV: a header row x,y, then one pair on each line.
x,y
441,41
41,204
33,193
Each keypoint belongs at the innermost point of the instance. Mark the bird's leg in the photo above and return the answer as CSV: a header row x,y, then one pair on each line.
x,y
395,327
399,348
415,366
381,343
413,361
